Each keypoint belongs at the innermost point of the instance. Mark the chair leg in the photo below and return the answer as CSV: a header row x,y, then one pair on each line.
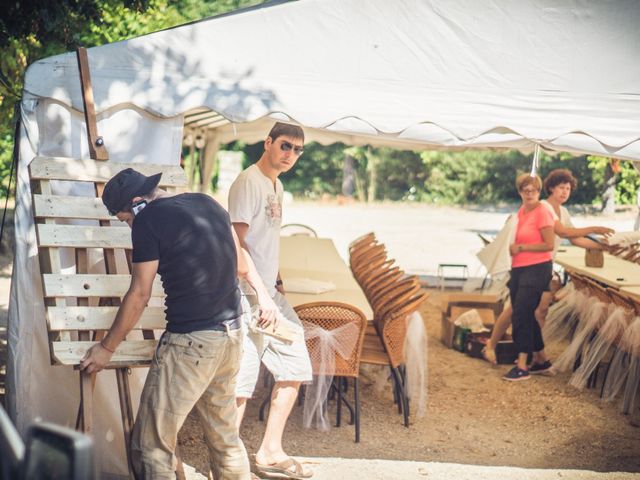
x,y
631,388
397,395
403,372
394,389
606,372
338,380
265,403
404,403
356,394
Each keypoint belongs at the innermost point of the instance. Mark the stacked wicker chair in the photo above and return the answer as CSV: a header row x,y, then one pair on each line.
x,y
622,377
393,296
613,345
630,253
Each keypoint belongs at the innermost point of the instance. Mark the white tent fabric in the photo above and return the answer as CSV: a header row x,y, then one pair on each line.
x,y
413,74
35,388
448,73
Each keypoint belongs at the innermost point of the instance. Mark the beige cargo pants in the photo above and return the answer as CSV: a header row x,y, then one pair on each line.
x,y
190,370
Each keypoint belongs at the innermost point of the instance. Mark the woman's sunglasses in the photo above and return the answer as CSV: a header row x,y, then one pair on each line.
x,y
287,147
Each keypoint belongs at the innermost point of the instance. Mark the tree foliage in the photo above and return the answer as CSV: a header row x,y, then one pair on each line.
x,y
40,28
465,177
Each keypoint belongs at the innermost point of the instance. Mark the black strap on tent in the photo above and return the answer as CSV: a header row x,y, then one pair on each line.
x,y
14,162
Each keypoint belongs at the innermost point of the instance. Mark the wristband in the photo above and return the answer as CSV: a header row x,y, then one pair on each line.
x,y
278,282
106,348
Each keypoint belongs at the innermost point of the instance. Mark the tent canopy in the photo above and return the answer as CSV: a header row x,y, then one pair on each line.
x,y
412,73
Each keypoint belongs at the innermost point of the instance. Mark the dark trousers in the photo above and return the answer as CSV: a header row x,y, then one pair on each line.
x,y
525,287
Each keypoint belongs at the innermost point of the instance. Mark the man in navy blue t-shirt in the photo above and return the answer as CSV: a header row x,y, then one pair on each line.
x,y
189,241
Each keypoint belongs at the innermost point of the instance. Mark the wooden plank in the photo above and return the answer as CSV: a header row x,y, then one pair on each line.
x,y
126,410
56,285
87,170
85,414
100,318
62,206
83,236
130,352
96,143
50,263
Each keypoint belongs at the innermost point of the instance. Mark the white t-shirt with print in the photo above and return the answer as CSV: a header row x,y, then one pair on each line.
x,y
565,219
254,200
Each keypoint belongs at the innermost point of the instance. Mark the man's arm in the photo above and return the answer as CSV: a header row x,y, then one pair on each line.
x,y
268,307
133,304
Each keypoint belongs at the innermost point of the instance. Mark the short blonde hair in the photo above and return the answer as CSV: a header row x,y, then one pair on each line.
x,y
526,179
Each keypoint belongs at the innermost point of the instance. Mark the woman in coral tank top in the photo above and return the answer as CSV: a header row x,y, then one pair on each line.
x,y
531,269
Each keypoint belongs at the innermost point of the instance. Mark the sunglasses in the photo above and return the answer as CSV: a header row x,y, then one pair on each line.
x,y
529,191
287,147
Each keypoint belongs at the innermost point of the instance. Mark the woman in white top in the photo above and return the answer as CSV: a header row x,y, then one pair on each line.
x,y
558,184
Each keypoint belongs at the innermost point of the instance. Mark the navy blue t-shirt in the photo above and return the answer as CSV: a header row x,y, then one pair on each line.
x,y
190,235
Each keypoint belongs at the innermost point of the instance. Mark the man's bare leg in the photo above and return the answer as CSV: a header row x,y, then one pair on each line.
x,y
283,398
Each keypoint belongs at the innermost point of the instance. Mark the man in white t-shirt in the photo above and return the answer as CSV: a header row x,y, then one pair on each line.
x,y
255,208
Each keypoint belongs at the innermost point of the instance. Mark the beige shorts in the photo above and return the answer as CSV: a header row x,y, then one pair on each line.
x,y
287,362
196,369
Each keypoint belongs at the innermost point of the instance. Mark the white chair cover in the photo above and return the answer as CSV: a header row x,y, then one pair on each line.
x,y
415,348
621,361
613,328
589,319
341,341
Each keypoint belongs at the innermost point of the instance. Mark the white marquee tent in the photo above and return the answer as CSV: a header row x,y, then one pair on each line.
x,y
563,74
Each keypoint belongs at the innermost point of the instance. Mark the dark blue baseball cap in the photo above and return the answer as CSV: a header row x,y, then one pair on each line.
x,y
126,185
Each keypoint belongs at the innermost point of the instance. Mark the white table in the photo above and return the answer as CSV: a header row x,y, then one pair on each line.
x,y
317,259
616,272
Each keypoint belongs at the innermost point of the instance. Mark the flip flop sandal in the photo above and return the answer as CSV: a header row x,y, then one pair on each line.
x,y
283,469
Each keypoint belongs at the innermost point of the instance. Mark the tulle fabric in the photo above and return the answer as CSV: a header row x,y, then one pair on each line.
x,y
631,387
619,369
415,348
612,330
589,318
624,374
564,315
339,341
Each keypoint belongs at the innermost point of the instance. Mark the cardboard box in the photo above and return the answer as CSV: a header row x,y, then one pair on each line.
x,y
487,300
454,310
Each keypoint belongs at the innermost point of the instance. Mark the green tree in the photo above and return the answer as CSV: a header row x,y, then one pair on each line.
x,y
33,30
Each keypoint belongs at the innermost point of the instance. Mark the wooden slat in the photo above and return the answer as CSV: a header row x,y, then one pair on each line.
x,y
97,149
62,206
100,318
83,236
50,262
133,352
87,170
92,285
